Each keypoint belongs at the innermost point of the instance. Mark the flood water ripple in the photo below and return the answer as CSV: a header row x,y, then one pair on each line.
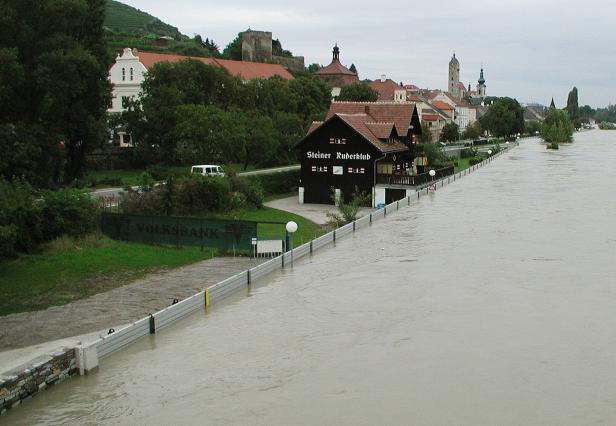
x,y
491,301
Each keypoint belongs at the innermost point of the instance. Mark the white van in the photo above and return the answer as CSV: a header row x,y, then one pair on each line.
x,y
207,170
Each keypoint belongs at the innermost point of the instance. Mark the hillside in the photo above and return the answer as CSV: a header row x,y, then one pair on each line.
x,y
121,18
127,26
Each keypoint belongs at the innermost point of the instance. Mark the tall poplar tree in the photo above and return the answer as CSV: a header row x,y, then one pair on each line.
x,y
572,104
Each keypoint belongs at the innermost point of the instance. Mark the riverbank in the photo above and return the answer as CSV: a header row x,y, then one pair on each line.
x,y
116,307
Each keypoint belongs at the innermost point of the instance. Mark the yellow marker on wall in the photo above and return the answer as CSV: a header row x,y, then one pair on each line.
x,y
207,298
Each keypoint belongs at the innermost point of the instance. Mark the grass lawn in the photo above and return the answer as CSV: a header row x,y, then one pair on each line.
x,y
68,270
306,230
463,164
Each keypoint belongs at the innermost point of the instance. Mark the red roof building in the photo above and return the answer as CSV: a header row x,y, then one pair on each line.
x,y
336,74
388,90
243,69
357,143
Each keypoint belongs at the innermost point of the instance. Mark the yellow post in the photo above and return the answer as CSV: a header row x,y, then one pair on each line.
x,y
207,298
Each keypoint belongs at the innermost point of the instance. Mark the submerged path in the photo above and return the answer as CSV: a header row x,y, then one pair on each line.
x,y
490,301
118,306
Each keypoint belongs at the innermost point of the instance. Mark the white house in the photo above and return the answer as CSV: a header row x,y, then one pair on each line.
x,y
126,76
465,114
128,71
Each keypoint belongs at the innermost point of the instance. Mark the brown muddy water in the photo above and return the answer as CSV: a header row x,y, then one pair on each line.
x,y
491,301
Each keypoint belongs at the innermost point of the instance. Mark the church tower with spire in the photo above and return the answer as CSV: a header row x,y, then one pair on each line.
x,y
481,87
454,77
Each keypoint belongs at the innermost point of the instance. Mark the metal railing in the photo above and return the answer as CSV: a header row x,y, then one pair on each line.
x,y
117,340
412,180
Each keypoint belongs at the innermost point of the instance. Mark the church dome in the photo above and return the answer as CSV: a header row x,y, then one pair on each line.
x,y
481,79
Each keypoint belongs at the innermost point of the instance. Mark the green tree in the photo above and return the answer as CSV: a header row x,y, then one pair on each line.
x,y
166,86
557,127
434,154
532,127
353,69
358,92
505,117
312,68
572,104
233,50
473,131
426,134
310,97
347,211
54,72
586,113
450,132
606,114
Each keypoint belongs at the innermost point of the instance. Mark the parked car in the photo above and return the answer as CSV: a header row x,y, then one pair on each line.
x,y
207,170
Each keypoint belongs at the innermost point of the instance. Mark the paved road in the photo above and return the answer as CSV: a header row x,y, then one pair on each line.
x,y
114,193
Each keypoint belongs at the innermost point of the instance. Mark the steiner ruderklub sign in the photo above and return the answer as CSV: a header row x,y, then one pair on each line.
x,y
186,231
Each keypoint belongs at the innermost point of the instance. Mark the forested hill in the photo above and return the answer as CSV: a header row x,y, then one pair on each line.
x,y
127,19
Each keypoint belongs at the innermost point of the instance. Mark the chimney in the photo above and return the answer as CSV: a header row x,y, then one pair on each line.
x,y
383,78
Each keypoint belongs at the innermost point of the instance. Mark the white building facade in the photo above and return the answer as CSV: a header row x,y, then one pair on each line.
x,y
126,76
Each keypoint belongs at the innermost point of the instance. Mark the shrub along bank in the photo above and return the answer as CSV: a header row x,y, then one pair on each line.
x,y
198,195
30,217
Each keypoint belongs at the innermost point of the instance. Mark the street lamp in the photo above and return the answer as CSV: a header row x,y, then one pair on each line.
x,y
291,228
432,173
489,152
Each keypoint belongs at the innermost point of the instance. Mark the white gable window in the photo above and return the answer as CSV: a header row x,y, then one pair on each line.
x,y
131,73
123,74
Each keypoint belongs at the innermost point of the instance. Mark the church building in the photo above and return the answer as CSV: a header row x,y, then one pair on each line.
x,y
336,74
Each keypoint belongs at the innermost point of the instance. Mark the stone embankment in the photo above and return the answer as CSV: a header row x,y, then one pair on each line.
x,y
20,385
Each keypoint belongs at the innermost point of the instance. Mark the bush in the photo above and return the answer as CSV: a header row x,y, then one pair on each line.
x,y
277,183
553,145
29,218
20,213
604,125
468,153
8,238
201,194
158,172
557,127
68,212
475,160
252,190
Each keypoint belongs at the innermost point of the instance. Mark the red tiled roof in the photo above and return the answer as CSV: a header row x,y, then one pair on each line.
x,y
243,69
335,68
429,117
442,105
414,97
457,101
411,87
386,89
359,123
373,132
381,130
399,113
461,86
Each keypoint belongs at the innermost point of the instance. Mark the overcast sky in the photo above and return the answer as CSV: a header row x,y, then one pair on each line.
x,y
531,49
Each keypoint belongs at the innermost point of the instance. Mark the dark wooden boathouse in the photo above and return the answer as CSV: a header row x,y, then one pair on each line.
x,y
356,142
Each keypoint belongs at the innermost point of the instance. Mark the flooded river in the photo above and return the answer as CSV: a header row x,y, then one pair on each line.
x,y
491,301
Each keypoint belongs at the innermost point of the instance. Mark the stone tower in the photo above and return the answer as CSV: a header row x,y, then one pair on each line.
x,y
481,87
256,46
454,77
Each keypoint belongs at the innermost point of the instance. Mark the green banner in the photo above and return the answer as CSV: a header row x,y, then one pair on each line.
x,y
180,231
